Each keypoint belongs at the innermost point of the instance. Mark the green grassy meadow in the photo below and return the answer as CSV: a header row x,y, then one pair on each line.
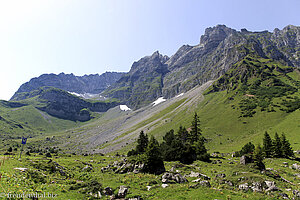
x,y
41,177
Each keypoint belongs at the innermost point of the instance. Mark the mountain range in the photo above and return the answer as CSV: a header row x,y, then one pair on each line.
x,y
93,83
243,77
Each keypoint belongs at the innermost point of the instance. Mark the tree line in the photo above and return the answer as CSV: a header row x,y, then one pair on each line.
x,y
184,146
279,147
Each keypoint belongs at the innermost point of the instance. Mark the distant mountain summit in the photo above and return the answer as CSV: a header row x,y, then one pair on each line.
x,y
219,49
155,76
93,83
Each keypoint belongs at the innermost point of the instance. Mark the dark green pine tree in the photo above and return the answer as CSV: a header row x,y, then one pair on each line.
x,y
247,149
196,131
286,148
142,143
169,137
267,145
258,157
167,149
201,151
154,163
183,134
277,146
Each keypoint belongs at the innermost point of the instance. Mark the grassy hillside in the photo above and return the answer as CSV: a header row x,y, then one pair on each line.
x,y
65,177
257,95
28,121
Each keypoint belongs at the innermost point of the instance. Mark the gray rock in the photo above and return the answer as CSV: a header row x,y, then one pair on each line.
x,y
245,160
194,174
164,185
197,180
269,184
87,168
244,187
295,166
216,162
203,183
122,191
257,187
296,193
108,191
229,183
285,163
220,175
93,83
272,188
203,176
283,195
171,178
298,175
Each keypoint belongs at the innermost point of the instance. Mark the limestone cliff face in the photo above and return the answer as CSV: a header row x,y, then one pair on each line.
x,y
154,76
218,50
221,47
93,83
63,105
143,83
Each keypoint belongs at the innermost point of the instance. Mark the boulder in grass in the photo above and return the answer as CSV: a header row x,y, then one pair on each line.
x,y
122,191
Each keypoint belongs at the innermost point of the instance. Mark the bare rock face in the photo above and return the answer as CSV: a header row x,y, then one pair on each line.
x,y
217,52
154,76
93,83
63,105
143,83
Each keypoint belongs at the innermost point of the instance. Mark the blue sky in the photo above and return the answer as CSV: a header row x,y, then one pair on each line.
x,y
94,36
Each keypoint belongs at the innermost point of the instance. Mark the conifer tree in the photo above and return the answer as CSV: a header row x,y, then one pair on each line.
x,y
167,147
258,157
286,148
277,146
183,134
169,137
154,163
201,151
267,145
247,149
142,143
196,131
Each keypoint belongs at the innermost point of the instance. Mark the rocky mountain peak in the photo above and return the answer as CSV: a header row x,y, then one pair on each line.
x,y
214,35
156,60
93,83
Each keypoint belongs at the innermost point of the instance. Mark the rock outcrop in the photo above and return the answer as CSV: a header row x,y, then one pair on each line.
x,y
219,49
93,83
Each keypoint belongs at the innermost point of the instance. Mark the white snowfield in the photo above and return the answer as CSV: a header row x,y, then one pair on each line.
x,y
158,101
87,95
180,95
124,108
74,93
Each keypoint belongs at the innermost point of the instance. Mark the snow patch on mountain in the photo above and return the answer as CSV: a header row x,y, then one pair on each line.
x,y
124,108
180,95
158,101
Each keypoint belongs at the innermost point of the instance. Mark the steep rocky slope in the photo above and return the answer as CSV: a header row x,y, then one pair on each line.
x,y
219,49
62,104
143,83
93,83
